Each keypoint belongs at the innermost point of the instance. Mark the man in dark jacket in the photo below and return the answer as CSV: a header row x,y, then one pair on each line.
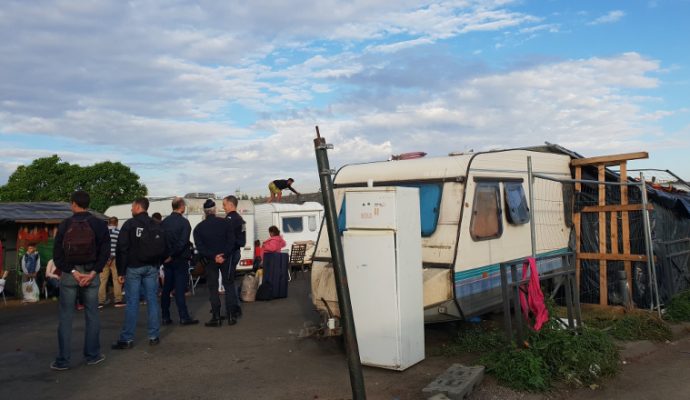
x,y
176,265
213,240
80,251
138,258
238,230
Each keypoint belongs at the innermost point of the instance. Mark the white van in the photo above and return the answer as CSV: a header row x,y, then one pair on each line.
x,y
474,216
195,214
297,222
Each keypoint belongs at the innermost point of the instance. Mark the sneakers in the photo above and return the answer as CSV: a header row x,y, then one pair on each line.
x,y
189,321
80,307
96,360
154,341
122,345
100,306
57,367
166,321
120,304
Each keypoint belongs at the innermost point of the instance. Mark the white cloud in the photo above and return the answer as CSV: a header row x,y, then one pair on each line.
x,y
610,17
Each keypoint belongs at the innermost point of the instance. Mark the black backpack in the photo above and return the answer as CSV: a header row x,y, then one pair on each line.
x,y
149,239
79,242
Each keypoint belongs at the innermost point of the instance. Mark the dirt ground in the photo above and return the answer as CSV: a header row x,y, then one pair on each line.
x,y
262,357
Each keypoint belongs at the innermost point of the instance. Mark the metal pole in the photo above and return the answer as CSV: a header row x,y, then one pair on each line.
x,y
651,267
532,227
344,303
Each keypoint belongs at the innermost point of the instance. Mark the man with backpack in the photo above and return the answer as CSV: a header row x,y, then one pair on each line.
x,y
176,265
80,251
139,253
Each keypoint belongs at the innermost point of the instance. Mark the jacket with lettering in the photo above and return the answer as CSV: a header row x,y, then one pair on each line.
x,y
127,253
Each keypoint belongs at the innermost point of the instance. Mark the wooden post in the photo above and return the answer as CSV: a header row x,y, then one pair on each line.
x,y
578,226
603,287
625,222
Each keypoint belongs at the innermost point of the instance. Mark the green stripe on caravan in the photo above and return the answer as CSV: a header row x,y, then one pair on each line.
x,y
494,268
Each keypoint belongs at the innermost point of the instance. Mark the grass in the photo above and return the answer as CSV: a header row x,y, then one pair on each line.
x,y
678,309
634,325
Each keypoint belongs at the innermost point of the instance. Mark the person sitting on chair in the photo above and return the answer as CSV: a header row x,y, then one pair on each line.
x,y
275,243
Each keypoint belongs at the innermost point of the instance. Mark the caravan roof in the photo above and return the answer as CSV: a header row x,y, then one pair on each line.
x,y
288,207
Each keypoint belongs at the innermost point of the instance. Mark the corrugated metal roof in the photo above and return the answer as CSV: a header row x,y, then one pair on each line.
x,y
42,211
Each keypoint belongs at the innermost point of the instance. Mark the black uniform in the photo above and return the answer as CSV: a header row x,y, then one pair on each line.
x,y
212,237
238,230
177,232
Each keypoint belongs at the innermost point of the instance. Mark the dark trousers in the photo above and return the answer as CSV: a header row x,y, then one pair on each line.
x,y
176,278
227,271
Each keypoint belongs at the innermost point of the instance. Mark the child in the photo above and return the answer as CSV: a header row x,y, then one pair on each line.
x,y
258,255
31,263
275,243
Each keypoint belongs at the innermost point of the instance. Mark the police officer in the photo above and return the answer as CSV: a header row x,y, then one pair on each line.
x,y
238,230
214,242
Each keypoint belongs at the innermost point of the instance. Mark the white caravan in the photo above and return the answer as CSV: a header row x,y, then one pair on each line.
x,y
195,214
474,215
297,222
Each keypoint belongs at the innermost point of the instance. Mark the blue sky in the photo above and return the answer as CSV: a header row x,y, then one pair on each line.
x,y
214,96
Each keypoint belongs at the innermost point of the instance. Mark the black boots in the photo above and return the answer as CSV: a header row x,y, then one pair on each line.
x,y
215,320
231,320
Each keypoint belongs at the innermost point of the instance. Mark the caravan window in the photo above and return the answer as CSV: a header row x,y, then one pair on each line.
x,y
486,212
516,203
312,223
292,224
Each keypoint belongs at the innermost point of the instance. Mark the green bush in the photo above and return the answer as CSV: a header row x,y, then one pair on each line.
x,y
678,308
552,355
576,359
518,369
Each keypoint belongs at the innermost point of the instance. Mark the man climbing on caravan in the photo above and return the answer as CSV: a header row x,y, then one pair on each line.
x,y
277,186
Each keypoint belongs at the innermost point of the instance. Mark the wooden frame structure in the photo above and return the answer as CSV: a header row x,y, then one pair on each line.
x,y
602,209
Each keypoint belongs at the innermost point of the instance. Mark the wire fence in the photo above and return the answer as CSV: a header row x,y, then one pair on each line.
x,y
555,217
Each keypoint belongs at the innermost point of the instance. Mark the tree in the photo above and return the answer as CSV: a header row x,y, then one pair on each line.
x,y
51,179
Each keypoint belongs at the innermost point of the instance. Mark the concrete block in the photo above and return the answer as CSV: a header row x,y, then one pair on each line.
x,y
456,383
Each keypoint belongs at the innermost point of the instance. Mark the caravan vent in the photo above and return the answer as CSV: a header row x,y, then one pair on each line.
x,y
408,156
200,195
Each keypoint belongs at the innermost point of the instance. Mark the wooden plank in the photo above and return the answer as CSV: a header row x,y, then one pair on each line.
x,y
603,287
613,159
578,227
615,207
625,228
612,257
614,232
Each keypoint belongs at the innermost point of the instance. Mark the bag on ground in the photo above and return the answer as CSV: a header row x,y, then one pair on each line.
x,y
265,292
30,291
250,284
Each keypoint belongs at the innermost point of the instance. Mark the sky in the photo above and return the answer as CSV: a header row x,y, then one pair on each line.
x,y
216,96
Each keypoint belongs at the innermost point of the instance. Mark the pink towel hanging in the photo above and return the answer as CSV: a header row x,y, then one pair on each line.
x,y
534,300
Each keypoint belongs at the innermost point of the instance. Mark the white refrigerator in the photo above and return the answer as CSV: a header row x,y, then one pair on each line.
x,y
383,260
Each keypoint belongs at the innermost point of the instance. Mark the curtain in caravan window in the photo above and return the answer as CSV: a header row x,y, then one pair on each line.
x,y
486,212
429,205
516,203
312,222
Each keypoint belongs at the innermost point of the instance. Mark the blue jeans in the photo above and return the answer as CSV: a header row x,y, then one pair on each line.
x,y
69,288
176,278
135,279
